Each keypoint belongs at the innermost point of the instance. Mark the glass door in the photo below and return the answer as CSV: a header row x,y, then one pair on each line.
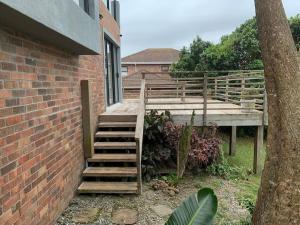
x,y
111,73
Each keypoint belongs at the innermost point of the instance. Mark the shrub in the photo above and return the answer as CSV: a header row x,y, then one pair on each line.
x,y
155,150
184,147
205,148
223,169
205,145
161,141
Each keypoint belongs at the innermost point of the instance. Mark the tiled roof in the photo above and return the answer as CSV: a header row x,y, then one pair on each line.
x,y
153,55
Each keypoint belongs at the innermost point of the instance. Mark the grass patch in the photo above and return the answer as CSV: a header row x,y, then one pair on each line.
x,y
243,159
244,154
247,183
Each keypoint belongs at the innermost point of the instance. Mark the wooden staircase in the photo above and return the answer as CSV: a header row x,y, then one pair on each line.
x,y
115,163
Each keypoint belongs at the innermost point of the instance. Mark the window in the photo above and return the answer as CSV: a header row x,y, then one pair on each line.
x,y
112,73
87,6
124,70
107,3
165,68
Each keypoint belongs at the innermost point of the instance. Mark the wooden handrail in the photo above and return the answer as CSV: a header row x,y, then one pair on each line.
x,y
141,112
139,132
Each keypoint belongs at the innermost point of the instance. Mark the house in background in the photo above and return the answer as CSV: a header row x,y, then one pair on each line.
x,y
50,53
156,61
150,60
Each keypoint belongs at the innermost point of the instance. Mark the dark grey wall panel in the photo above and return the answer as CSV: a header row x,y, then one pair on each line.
x,y
61,23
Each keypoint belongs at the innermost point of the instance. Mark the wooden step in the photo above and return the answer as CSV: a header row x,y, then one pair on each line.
x,y
110,172
115,134
117,118
113,158
116,124
115,145
108,187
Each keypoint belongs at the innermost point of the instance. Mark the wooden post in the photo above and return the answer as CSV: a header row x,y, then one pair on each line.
x,y
183,92
226,90
258,148
232,143
139,166
205,101
216,87
87,119
243,85
265,108
177,88
146,97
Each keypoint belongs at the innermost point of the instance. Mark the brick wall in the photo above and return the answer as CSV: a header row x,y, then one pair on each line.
x,y
41,155
149,68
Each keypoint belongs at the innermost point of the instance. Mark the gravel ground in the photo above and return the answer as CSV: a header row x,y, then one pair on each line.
x,y
229,209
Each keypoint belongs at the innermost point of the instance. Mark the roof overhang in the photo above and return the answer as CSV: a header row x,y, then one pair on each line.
x,y
63,24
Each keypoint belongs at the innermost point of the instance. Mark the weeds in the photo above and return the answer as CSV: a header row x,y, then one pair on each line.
x,y
172,179
223,169
247,203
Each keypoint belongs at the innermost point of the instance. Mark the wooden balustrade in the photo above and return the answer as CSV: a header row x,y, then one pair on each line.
x,y
139,132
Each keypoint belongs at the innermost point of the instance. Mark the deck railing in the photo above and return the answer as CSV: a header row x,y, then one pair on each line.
x,y
139,134
204,91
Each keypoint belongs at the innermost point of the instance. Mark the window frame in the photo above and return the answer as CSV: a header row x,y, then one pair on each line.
x,y
165,70
86,6
123,72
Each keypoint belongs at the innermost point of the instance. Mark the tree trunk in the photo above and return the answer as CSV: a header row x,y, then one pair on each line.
x,y
279,195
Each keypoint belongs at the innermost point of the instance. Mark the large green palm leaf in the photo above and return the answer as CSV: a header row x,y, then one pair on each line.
x,y
198,209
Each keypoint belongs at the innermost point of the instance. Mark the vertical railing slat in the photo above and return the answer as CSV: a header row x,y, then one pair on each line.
x,y
205,100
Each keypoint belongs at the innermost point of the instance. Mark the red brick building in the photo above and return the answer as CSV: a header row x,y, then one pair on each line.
x,y
150,60
44,55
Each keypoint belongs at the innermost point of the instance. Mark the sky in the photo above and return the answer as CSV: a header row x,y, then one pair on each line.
x,y
175,23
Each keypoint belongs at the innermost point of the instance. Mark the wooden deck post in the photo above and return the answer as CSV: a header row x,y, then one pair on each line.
x,y
265,109
216,87
205,100
87,119
232,143
183,92
226,90
258,148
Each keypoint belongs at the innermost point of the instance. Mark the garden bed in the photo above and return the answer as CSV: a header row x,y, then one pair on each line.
x,y
228,192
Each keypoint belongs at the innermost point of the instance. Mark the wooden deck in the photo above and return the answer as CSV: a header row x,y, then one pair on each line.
x,y
226,98
231,100
231,115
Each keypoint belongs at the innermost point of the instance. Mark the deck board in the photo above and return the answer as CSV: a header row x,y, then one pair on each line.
x,y
234,115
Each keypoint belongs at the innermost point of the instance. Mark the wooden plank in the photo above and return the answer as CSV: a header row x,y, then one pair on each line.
x,y
258,148
220,119
110,172
232,145
205,101
117,118
88,122
115,145
139,131
113,158
117,124
108,187
115,134
139,144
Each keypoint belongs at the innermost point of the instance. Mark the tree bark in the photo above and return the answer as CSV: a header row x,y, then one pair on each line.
x,y
279,195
